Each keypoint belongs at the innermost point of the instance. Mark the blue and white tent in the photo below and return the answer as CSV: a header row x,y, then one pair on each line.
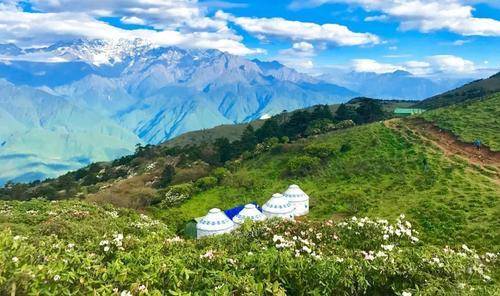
x,y
249,212
215,222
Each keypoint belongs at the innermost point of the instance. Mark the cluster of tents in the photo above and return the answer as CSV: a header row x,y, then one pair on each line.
x,y
292,203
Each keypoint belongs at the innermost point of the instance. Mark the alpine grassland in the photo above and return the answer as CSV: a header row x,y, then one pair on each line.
x,y
471,120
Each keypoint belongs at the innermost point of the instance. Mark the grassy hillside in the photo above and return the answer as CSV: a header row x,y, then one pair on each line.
x,y
476,119
368,170
472,90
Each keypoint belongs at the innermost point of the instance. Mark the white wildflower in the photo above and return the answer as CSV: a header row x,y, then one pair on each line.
x,y
125,293
406,293
57,278
106,248
15,259
387,247
209,255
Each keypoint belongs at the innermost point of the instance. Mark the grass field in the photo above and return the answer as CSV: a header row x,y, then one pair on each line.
x,y
477,119
383,174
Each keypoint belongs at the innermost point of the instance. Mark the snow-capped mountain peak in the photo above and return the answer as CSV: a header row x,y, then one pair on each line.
x,y
98,52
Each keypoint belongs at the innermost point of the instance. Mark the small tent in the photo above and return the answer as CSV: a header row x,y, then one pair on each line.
x,y
190,227
249,212
278,206
299,200
215,222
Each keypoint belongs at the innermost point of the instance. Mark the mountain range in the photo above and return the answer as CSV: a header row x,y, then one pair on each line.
x,y
71,103
395,85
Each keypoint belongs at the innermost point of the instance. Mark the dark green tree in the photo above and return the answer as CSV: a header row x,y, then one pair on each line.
x,y
248,138
224,148
370,111
345,112
167,175
269,129
321,112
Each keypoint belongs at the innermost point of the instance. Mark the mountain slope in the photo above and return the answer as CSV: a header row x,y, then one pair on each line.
x,y
43,135
471,120
475,89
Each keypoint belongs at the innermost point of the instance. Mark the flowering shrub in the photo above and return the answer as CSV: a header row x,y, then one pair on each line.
x,y
110,251
176,194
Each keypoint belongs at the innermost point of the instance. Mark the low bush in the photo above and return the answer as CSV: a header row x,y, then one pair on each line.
x,y
320,150
205,183
302,165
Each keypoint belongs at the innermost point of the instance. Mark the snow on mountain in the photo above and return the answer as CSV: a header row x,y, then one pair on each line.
x,y
102,97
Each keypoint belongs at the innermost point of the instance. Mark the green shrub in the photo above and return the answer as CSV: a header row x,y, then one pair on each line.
x,y
302,165
205,183
345,147
320,150
220,174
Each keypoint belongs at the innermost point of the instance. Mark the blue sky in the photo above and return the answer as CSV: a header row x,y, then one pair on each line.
x,y
425,37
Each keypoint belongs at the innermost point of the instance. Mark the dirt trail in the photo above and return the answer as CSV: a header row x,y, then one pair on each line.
x,y
485,158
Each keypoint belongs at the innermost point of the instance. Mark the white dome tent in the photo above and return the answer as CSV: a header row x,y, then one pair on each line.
x,y
298,198
250,212
278,206
215,222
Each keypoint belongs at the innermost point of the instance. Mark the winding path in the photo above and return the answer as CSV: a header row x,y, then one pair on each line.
x,y
488,160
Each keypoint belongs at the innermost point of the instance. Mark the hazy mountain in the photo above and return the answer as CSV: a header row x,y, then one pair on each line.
x,y
395,85
94,100
42,135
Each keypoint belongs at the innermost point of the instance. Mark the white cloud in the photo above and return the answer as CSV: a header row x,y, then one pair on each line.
x,y
369,65
460,42
132,20
376,18
300,31
71,19
299,56
451,64
430,65
160,14
425,15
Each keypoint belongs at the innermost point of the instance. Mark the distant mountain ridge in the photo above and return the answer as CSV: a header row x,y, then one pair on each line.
x,y
141,93
396,85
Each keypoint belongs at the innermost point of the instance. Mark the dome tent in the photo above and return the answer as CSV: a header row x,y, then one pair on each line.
x,y
278,206
298,198
251,212
215,222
